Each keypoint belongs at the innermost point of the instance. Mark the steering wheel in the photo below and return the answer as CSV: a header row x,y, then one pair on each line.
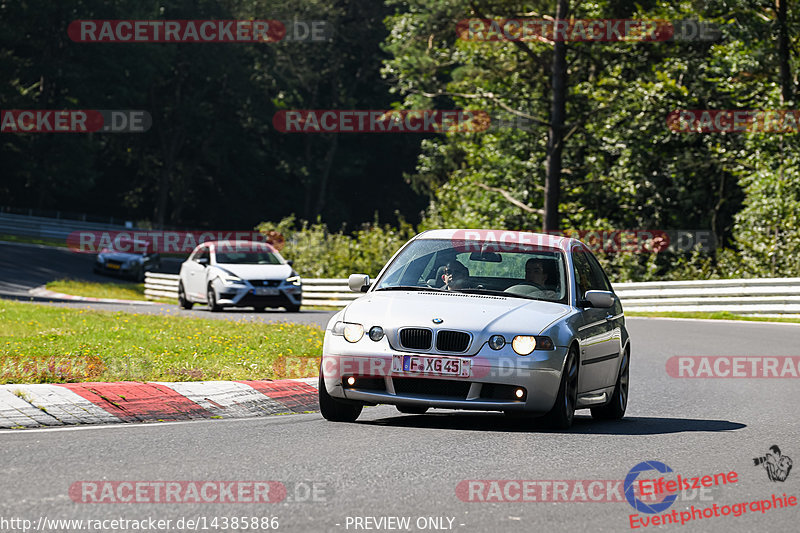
x,y
532,284
525,288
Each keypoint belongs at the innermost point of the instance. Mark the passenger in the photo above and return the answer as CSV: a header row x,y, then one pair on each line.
x,y
456,276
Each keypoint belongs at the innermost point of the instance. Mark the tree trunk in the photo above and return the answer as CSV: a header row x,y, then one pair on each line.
x,y
552,184
783,52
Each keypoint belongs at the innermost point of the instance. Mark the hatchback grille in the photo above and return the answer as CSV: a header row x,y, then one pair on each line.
x,y
416,338
431,387
452,341
264,282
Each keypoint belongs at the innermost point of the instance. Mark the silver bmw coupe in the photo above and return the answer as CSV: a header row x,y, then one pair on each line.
x,y
494,320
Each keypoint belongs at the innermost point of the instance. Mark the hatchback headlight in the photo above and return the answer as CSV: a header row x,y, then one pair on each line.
x,y
351,331
232,280
294,280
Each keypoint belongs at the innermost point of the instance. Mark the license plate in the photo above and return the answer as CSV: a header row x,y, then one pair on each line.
x,y
112,266
266,291
438,366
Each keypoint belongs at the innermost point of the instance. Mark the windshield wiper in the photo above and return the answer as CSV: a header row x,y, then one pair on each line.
x,y
405,288
496,293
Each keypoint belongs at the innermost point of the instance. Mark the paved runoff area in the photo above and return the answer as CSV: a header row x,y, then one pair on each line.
x,y
25,406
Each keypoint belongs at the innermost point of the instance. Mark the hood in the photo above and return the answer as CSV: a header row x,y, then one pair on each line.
x,y
258,271
119,256
469,312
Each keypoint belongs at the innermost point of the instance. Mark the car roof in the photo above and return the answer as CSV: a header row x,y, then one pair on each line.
x,y
239,243
500,236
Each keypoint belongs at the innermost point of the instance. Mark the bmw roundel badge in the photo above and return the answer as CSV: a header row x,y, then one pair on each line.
x,y
437,320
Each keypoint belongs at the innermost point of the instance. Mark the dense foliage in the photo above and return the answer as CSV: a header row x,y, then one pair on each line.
x,y
213,159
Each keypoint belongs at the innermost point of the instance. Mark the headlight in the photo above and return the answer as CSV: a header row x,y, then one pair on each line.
x,y
232,280
524,344
352,332
294,280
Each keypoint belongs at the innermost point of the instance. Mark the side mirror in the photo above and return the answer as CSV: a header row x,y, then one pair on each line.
x,y
202,261
358,282
602,299
290,262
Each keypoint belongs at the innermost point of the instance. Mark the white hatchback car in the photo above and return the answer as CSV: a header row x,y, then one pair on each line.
x,y
239,274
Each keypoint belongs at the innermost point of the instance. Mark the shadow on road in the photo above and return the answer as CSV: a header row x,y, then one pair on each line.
x,y
636,425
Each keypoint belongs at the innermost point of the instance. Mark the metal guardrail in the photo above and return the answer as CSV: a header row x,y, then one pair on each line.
x,y
776,296
48,228
770,296
331,292
160,285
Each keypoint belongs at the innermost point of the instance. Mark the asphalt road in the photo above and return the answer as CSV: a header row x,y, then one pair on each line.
x,y
387,464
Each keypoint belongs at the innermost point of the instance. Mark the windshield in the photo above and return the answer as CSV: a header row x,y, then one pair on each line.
x,y
127,246
248,257
448,265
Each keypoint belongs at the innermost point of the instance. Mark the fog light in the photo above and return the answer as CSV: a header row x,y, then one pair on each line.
x,y
351,381
496,342
376,333
519,393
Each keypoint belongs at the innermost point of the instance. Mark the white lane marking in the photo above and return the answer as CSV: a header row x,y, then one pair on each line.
x,y
283,419
713,320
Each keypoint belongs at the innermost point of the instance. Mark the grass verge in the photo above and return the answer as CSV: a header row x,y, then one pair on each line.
x,y
115,290
45,344
720,315
33,240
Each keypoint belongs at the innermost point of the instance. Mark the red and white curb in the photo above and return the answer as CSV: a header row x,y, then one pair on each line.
x,y
133,401
44,292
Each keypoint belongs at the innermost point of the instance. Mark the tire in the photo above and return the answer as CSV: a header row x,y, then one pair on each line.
x,y
412,409
563,412
615,409
182,301
211,299
292,308
334,410
259,308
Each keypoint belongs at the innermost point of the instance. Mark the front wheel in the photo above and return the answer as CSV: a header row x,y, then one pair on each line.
x,y
615,409
293,308
182,300
334,410
211,298
563,412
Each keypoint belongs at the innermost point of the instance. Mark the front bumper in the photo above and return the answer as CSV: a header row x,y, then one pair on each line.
x,y
117,269
490,386
245,295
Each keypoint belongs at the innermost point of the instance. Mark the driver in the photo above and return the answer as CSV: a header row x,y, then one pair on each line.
x,y
535,273
538,275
